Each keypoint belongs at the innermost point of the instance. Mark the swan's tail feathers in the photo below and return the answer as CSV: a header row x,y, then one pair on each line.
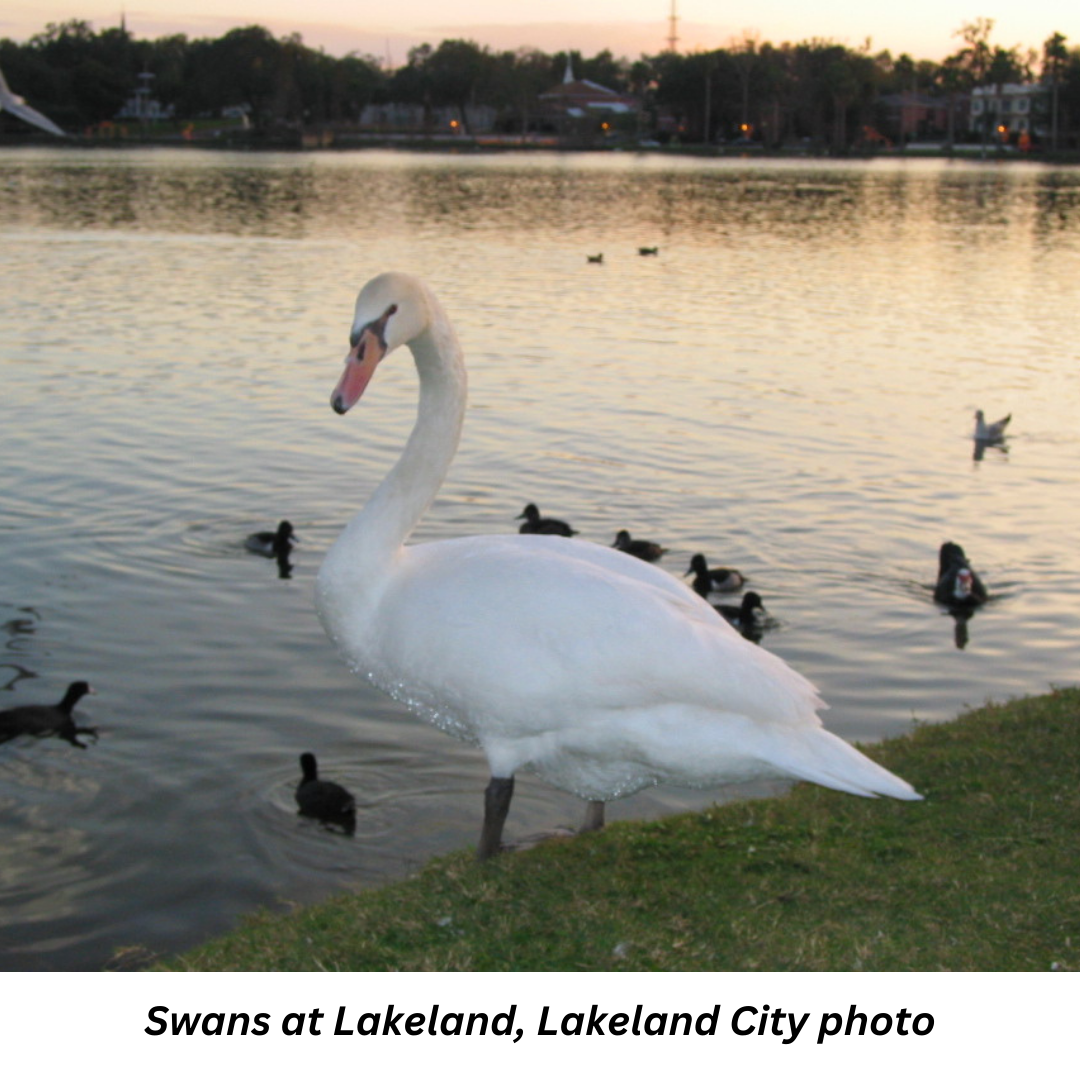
x,y
826,759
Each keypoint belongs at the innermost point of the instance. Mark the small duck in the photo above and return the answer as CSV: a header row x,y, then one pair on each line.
x,y
595,258
546,526
273,545
640,549
744,617
719,579
990,433
648,251
43,720
957,584
323,799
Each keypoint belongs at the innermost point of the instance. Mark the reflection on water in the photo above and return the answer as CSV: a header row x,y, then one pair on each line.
x,y
297,196
787,387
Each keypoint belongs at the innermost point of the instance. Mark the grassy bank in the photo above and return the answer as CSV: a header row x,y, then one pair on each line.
x,y
983,875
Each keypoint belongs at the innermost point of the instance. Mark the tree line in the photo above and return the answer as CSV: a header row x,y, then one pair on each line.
x,y
818,91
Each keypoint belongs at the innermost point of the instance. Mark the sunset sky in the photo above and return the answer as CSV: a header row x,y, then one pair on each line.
x,y
923,28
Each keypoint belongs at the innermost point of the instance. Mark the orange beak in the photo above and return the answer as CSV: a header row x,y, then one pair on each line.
x,y
360,365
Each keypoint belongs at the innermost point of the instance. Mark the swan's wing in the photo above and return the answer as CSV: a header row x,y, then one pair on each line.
x,y
507,624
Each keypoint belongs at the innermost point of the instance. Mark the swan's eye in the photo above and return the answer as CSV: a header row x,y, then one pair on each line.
x,y
377,328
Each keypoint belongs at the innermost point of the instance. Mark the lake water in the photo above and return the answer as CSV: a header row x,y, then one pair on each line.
x,y
788,386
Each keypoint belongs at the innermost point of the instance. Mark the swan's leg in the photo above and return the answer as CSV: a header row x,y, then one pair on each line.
x,y
594,816
497,797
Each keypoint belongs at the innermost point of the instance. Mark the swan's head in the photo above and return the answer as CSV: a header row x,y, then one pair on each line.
x,y
391,310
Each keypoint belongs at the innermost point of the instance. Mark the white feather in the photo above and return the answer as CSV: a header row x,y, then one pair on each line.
x,y
596,670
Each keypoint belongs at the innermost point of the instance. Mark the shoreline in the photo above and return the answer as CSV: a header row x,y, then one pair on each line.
x,y
335,142
979,876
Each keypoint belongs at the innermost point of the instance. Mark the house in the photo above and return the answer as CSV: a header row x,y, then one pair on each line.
x,y
584,109
1013,110
909,116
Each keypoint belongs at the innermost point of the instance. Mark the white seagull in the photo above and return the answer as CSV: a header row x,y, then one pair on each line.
x,y
990,432
17,107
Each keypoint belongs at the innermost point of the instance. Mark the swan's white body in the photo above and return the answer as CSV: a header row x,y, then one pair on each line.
x,y
596,670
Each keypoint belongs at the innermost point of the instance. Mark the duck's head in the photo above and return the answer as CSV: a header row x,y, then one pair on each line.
x,y
391,310
78,689
532,512
751,605
698,565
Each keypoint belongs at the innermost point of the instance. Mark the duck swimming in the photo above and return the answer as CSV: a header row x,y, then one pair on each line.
x,y
323,799
43,720
543,526
720,579
272,545
640,549
744,615
499,640
957,584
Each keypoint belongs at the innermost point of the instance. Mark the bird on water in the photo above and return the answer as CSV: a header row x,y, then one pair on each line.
x,y
499,639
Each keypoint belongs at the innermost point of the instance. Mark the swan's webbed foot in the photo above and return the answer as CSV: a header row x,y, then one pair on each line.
x,y
497,798
594,816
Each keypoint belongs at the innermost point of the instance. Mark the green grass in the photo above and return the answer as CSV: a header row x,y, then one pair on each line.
x,y
982,875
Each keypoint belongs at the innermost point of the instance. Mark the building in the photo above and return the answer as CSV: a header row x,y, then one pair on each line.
x,y
143,107
1012,110
910,116
581,108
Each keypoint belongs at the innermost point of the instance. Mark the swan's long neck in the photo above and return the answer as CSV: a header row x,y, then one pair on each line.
x,y
370,543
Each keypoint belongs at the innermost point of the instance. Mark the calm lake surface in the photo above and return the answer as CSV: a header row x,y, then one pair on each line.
x,y
788,387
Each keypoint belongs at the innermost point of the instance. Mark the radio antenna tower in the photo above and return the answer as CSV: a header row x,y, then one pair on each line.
x,y
673,34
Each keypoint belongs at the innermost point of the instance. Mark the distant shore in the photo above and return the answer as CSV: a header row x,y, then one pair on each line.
x,y
226,138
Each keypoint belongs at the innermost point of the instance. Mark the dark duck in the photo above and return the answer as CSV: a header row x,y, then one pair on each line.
x,y
747,617
640,549
273,545
545,526
958,586
324,800
720,579
43,720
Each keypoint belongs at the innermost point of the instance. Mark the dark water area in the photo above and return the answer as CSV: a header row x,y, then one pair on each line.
x,y
788,386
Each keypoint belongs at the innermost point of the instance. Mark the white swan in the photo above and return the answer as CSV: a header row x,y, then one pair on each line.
x,y
598,671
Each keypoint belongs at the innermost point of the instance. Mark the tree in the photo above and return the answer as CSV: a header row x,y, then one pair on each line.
x,y
1055,59
357,83
518,79
457,70
411,83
